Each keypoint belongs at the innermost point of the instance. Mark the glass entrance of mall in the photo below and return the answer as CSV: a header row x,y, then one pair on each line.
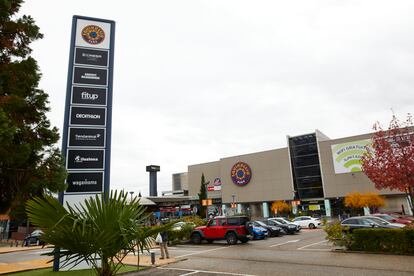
x,y
314,208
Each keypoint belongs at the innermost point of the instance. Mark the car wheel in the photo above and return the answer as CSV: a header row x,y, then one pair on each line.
x,y
231,238
196,238
210,241
311,226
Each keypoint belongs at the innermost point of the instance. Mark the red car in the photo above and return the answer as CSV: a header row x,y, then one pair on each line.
x,y
393,219
232,229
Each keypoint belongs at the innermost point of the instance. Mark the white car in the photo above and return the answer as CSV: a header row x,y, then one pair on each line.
x,y
307,222
383,222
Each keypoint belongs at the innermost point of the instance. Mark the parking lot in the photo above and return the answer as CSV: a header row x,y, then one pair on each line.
x,y
305,253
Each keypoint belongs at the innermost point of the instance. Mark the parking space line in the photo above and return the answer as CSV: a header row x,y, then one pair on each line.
x,y
193,271
205,251
312,244
282,243
189,273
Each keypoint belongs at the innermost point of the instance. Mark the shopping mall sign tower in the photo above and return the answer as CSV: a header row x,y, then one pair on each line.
x,y
86,141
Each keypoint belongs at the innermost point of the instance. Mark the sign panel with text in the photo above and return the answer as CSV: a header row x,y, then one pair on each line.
x,y
85,159
89,116
84,182
86,137
82,95
91,76
91,57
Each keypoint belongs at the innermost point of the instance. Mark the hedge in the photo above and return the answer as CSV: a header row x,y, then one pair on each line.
x,y
398,241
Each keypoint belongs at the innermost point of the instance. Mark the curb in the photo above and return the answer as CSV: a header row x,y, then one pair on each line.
x,y
370,252
25,248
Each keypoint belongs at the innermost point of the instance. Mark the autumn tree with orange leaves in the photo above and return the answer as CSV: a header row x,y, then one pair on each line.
x,y
358,201
280,207
389,162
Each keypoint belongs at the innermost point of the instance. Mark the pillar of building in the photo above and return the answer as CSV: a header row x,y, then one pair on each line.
x,y
409,204
366,211
223,209
265,209
328,208
239,208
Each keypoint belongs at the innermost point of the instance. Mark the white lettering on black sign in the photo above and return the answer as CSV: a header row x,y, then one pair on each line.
x,y
84,182
89,95
88,116
94,76
91,57
85,159
86,137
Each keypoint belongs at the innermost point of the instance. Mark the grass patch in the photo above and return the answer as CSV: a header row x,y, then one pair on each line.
x,y
82,272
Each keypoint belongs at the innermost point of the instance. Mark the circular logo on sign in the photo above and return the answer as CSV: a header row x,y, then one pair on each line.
x,y
93,34
241,174
217,182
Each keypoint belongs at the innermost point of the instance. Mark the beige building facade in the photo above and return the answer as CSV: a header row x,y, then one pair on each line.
x,y
313,174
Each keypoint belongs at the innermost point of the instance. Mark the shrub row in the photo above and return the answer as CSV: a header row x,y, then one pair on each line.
x,y
399,241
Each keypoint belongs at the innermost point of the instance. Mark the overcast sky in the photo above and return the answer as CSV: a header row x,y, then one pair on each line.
x,y
195,81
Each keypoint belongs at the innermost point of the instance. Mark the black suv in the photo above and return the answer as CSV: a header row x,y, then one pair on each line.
x,y
287,228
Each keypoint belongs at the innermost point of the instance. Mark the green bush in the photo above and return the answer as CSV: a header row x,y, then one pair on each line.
x,y
195,219
399,241
176,236
337,234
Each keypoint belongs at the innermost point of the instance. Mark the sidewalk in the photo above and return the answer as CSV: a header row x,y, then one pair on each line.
x,y
144,260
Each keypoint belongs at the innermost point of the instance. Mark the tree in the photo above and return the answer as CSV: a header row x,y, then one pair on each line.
x,y
29,161
280,207
357,201
373,201
202,195
354,201
99,232
389,162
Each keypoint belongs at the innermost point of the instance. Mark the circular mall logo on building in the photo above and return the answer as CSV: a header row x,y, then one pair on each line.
x,y
241,174
93,34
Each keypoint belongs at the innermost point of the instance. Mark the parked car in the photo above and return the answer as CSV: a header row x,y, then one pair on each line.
x,y
285,221
392,219
232,229
274,231
179,225
287,228
383,222
307,222
364,222
259,232
35,238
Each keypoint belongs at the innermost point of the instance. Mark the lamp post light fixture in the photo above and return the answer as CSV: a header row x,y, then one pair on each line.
x,y
233,204
131,192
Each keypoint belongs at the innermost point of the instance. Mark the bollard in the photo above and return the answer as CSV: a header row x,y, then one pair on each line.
x,y
152,258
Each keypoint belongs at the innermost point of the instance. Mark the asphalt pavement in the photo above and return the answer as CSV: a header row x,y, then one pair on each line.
x,y
306,253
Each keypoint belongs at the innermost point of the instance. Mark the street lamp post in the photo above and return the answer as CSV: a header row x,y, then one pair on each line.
x,y
131,192
233,204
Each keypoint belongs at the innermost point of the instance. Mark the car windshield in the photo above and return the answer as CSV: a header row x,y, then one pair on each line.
x,y
281,221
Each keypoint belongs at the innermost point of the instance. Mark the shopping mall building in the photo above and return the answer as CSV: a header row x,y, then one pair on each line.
x,y
313,174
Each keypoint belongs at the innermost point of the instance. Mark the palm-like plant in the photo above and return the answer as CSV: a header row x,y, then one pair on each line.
x,y
100,232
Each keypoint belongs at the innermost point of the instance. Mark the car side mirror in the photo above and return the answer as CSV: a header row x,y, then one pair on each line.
x,y
372,225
